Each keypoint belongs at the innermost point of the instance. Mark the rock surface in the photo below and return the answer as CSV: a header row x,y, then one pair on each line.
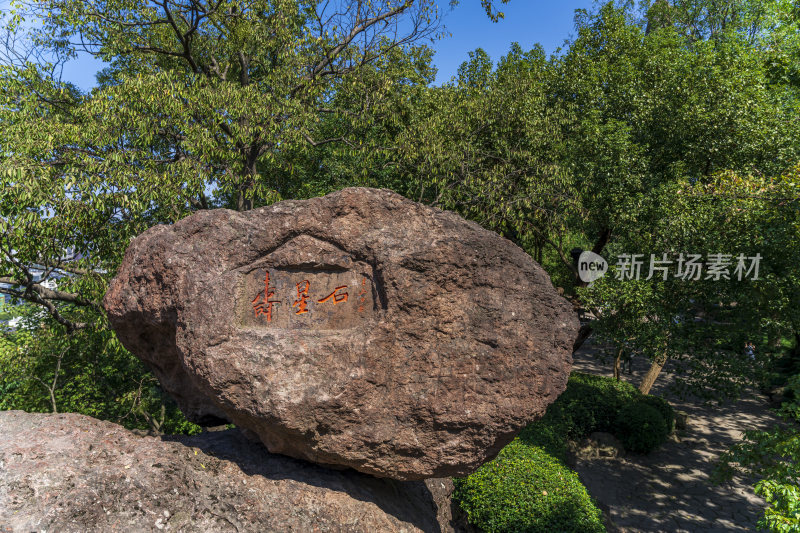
x,y
598,445
72,473
360,329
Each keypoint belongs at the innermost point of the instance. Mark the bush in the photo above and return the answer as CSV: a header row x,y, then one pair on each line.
x,y
524,489
641,428
547,436
96,376
662,406
590,403
529,488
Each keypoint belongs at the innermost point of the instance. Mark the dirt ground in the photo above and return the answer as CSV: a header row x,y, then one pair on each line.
x,y
669,489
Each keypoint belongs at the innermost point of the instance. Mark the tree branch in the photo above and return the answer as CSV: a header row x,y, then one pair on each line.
x,y
50,294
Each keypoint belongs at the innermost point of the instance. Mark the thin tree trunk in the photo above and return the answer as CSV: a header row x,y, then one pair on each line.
x,y
617,362
584,333
650,378
605,235
251,171
51,388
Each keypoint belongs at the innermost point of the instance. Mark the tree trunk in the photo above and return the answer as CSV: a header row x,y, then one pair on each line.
x,y
617,364
605,235
539,252
244,204
583,334
251,171
652,374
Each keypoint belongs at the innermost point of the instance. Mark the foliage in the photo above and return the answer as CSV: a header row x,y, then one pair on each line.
x,y
682,141
610,144
488,5
663,407
43,369
525,489
590,403
531,464
487,145
661,128
704,323
652,107
196,110
596,403
203,105
640,427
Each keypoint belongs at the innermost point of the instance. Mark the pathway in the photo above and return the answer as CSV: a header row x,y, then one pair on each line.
x,y
668,490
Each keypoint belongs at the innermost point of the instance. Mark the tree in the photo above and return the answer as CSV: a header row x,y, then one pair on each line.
x,y
42,369
654,109
598,148
487,146
704,321
200,97
204,104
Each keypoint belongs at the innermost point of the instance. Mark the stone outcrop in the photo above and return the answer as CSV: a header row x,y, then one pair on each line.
x,y
71,473
598,445
360,329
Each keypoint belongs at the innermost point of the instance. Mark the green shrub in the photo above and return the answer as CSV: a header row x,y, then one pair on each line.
x,y
96,376
528,487
547,436
590,403
640,427
663,407
524,489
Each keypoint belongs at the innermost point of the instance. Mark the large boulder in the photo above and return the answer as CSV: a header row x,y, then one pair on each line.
x,y
72,473
360,329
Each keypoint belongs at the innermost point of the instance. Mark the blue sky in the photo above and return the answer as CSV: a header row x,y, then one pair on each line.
x,y
527,22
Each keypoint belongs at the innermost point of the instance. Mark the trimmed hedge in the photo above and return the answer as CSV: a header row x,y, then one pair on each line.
x,y
529,488
641,428
524,489
663,407
594,403
590,403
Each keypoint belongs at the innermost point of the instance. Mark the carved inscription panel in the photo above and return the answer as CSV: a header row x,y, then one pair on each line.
x,y
297,299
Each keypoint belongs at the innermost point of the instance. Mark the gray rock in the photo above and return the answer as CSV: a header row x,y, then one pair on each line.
x,y
72,473
360,329
598,445
681,420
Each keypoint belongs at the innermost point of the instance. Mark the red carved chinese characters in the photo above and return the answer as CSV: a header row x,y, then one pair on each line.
x,y
302,297
363,298
264,302
262,305
337,298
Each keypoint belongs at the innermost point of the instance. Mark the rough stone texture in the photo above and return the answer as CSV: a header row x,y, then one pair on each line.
x,y
72,473
598,445
359,329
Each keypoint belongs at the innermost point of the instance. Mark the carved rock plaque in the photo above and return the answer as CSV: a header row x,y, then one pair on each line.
x,y
359,329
